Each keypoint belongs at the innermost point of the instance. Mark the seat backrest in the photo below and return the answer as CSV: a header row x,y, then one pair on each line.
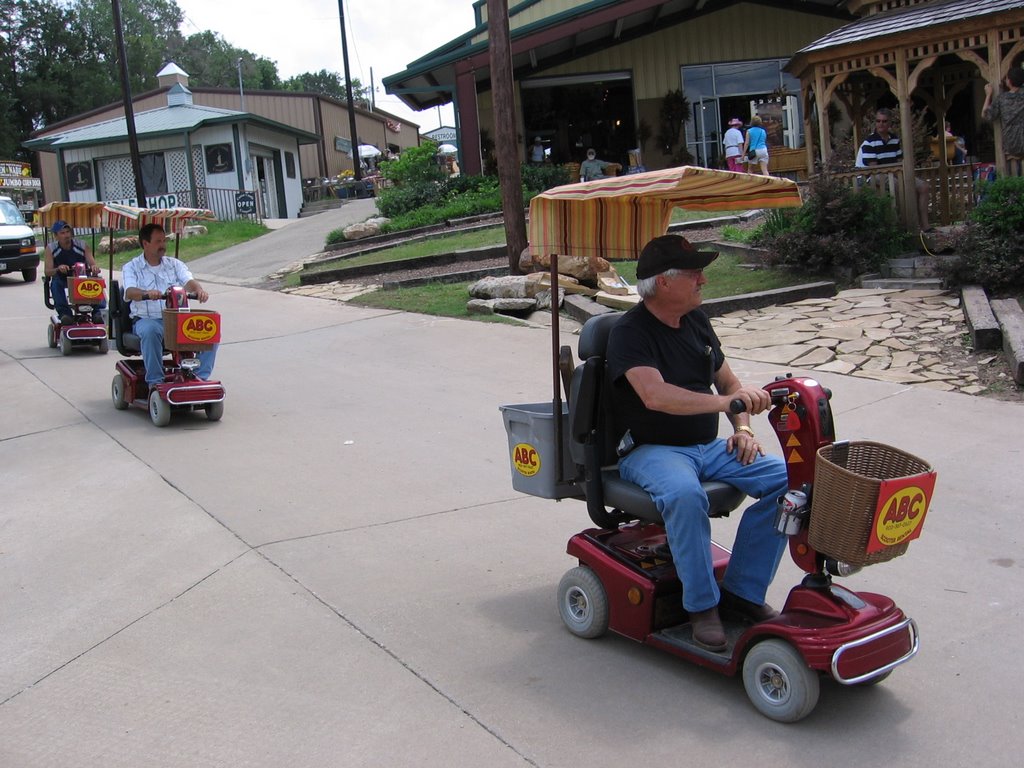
x,y
589,406
128,343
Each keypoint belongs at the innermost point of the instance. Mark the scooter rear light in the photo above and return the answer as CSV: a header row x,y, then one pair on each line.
x,y
839,568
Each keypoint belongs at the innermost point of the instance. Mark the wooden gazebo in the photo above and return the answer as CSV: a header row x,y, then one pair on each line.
x,y
929,50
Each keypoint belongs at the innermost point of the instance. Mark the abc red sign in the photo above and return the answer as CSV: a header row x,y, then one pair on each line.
x,y
199,328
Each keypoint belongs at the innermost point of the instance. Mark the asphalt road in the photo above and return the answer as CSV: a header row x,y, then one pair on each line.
x,y
339,574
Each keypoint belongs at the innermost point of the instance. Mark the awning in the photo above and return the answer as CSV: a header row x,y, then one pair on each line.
x,y
615,217
78,215
117,216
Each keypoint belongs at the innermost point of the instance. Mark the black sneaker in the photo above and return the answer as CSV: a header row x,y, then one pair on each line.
x,y
97,318
67,320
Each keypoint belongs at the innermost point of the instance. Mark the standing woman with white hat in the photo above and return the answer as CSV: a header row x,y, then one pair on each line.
x,y
733,142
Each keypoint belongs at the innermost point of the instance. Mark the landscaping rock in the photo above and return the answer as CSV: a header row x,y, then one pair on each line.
x,y
360,230
500,306
583,268
507,287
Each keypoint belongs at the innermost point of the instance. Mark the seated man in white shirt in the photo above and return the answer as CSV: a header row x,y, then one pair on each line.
x,y
146,278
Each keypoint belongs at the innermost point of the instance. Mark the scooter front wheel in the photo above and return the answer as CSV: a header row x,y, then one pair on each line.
x,y
779,683
583,603
159,410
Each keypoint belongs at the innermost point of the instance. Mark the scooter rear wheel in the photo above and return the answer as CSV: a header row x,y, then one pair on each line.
x,y
51,337
779,683
583,603
117,392
65,345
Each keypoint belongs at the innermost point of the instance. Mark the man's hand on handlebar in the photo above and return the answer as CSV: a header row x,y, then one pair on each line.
x,y
751,400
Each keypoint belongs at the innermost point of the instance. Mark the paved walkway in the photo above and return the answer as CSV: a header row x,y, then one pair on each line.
x,y
900,336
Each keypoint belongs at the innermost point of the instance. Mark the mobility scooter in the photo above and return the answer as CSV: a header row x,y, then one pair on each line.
x,y
85,293
848,505
186,334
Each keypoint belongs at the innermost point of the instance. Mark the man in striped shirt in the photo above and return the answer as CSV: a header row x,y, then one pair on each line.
x,y
884,148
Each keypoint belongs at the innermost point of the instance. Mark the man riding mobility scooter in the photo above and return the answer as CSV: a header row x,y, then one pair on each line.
x,y
186,335
848,505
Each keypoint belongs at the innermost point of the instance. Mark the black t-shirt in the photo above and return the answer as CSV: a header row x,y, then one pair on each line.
x,y
687,357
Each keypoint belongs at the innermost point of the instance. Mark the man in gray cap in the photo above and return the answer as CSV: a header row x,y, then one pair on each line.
x,y
663,360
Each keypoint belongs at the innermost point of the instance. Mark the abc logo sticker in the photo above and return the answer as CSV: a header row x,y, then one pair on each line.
x,y
90,289
199,328
526,460
902,514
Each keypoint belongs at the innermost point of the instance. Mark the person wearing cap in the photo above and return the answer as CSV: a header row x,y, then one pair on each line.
x,y
537,151
733,142
592,168
59,261
146,278
670,380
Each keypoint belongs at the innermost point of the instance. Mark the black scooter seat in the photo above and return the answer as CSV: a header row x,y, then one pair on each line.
x,y
635,501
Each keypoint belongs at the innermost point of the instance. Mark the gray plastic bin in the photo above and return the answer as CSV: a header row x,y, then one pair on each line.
x,y
532,450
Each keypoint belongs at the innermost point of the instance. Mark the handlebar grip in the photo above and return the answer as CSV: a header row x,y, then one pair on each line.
x,y
737,406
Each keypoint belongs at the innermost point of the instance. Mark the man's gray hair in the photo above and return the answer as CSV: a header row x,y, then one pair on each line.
x,y
647,287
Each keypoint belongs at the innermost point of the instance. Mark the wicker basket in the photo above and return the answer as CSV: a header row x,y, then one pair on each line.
x,y
847,478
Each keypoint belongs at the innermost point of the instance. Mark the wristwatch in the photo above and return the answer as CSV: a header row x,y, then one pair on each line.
x,y
745,428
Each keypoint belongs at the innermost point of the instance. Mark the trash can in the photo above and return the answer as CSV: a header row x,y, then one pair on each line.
x,y
533,453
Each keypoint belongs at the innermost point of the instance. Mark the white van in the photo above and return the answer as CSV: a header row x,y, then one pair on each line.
x,y
18,251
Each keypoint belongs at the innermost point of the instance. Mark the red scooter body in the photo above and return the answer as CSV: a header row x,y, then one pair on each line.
x,y
180,389
855,638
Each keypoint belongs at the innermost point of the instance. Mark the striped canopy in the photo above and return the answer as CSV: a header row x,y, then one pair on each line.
x,y
78,215
117,216
615,217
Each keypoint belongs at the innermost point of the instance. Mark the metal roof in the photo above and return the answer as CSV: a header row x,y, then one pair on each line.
x,y
588,26
904,20
159,122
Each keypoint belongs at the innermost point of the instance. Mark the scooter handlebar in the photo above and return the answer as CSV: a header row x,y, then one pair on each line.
x,y
738,406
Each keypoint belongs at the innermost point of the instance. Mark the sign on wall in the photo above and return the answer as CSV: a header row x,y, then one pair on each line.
x,y
245,203
219,158
79,176
343,145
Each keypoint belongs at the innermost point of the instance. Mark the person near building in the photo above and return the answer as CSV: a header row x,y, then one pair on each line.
x,y
883,147
146,278
59,262
756,141
592,168
1008,108
537,151
733,143
664,360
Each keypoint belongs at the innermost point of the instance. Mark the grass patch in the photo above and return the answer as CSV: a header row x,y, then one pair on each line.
x,y
682,214
219,235
432,246
442,299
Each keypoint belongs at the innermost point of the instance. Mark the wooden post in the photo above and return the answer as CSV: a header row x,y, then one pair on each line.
x,y
906,141
996,74
506,145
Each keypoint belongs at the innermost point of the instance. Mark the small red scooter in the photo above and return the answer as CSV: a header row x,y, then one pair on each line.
x,y
85,293
186,334
626,581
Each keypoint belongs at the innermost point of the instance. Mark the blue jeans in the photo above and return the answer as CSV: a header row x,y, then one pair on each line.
x,y
672,475
151,334
59,294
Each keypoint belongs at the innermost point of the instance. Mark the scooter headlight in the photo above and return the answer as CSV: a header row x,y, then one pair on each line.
x,y
190,363
839,568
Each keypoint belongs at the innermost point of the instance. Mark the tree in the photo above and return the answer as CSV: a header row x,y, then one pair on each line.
x,y
329,84
212,61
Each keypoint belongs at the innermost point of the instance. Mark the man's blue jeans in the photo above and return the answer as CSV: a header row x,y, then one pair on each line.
x,y
672,475
59,294
151,334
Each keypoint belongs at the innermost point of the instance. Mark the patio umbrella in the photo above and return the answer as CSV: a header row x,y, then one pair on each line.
x,y
447,149
117,216
78,215
368,150
615,217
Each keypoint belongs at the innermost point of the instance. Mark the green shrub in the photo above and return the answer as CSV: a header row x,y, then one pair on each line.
x,y
538,178
837,228
395,201
415,164
990,247
336,236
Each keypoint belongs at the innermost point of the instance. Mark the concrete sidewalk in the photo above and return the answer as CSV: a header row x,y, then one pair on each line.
x,y
339,574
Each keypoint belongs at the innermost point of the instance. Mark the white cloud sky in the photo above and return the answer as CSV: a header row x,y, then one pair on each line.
x,y
305,36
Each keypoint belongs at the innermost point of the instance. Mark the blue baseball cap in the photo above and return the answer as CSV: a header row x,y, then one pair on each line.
x,y
59,225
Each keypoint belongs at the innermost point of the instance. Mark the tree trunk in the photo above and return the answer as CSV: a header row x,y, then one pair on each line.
x,y
506,144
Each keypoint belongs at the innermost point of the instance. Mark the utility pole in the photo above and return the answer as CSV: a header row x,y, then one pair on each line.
x,y
241,91
507,147
357,164
129,112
